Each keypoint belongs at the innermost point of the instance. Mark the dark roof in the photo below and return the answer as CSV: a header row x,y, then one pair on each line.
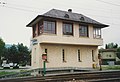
x,y
66,15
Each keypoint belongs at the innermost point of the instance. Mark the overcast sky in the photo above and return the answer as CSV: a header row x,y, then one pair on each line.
x,y
16,14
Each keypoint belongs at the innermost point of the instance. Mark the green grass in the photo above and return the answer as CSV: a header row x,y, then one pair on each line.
x,y
6,73
111,67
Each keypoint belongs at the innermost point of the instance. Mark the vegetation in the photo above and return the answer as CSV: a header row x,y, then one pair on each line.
x,y
2,48
111,68
111,46
6,73
19,53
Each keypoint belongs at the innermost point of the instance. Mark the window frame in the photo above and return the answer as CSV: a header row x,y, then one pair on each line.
x,y
34,30
79,55
97,32
63,55
83,31
64,29
93,56
49,31
40,28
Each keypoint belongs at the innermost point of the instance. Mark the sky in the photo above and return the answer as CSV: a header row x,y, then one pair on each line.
x,y
16,14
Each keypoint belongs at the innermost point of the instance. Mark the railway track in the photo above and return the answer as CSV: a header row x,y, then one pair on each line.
x,y
106,76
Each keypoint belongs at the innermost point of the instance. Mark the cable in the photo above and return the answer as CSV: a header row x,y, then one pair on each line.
x,y
23,9
108,3
3,4
22,6
13,4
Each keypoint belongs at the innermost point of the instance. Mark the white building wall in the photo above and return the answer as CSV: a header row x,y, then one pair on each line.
x,y
54,55
56,42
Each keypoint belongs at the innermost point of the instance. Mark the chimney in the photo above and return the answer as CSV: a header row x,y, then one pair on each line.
x,y
69,10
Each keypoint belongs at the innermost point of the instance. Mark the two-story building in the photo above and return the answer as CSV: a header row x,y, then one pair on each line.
x,y
69,39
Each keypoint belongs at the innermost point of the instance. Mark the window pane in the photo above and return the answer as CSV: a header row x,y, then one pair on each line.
x,y
45,25
83,31
63,55
67,29
97,32
49,27
79,59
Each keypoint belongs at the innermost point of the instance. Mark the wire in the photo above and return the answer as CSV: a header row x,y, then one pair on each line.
x,y
3,4
22,6
26,10
108,3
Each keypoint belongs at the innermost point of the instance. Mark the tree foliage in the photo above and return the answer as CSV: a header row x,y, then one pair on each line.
x,y
118,52
2,47
111,46
18,54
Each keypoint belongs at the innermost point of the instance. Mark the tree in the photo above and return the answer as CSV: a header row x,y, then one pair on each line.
x,y
106,46
18,54
12,54
23,53
111,46
118,52
2,47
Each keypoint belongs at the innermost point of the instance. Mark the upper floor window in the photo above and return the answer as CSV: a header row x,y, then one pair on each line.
x,y
49,27
96,32
67,29
40,28
83,30
34,31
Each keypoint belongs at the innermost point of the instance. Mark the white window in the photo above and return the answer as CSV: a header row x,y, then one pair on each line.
x,y
96,32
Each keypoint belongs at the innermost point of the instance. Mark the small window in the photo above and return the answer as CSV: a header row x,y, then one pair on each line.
x,y
67,29
63,55
83,30
79,57
93,56
96,32
66,16
110,56
82,19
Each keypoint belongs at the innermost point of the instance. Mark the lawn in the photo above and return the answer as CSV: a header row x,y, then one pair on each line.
x,y
6,73
111,67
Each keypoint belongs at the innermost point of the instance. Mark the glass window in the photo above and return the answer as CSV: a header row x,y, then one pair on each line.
x,y
96,32
34,31
40,28
79,58
93,56
83,30
67,29
49,27
63,55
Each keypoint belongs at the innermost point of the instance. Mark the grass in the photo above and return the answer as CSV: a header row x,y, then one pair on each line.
x,y
6,73
111,67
